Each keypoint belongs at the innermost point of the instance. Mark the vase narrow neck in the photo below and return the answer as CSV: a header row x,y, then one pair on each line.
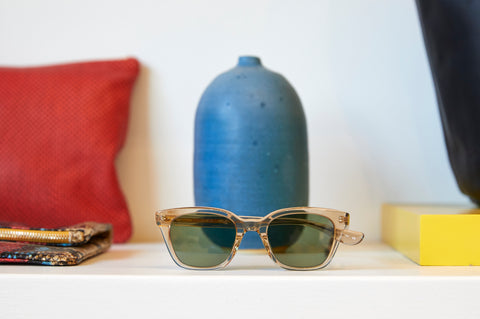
x,y
249,61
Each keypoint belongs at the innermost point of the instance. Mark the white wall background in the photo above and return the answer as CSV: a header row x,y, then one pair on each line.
x,y
359,67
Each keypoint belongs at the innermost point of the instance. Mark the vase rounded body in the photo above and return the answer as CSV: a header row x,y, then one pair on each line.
x,y
251,154
451,30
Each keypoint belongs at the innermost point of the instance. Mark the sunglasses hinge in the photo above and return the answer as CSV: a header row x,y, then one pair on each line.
x,y
344,219
166,218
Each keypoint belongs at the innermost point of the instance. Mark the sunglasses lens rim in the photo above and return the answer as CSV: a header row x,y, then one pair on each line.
x,y
294,235
208,234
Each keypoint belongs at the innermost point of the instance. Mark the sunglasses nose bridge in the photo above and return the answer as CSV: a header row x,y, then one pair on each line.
x,y
251,223
251,226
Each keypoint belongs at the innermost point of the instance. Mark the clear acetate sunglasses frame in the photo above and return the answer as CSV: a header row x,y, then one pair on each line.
x,y
243,224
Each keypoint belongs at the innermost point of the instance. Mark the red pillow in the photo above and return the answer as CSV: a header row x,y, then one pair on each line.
x,y
61,128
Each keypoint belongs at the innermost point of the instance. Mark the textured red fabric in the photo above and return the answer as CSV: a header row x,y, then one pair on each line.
x,y
60,130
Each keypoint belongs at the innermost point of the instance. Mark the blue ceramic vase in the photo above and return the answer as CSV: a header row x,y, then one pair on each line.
x,y
251,154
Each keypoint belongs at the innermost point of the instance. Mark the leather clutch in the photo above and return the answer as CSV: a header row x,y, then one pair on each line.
x,y
53,247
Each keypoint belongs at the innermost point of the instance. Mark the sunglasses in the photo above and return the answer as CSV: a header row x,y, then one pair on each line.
x,y
298,238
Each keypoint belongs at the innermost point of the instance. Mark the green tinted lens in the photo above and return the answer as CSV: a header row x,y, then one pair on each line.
x,y
202,239
301,240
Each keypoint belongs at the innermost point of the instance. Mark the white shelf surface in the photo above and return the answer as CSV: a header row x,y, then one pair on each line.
x,y
140,280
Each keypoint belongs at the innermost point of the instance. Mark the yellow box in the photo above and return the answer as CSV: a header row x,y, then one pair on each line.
x,y
433,235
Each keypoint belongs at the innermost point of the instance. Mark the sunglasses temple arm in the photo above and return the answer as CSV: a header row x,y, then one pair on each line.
x,y
350,237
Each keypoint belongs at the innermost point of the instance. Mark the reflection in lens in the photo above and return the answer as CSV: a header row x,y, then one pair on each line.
x,y
301,240
194,247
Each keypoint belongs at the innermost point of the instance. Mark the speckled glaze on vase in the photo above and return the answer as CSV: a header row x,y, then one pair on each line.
x,y
251,154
